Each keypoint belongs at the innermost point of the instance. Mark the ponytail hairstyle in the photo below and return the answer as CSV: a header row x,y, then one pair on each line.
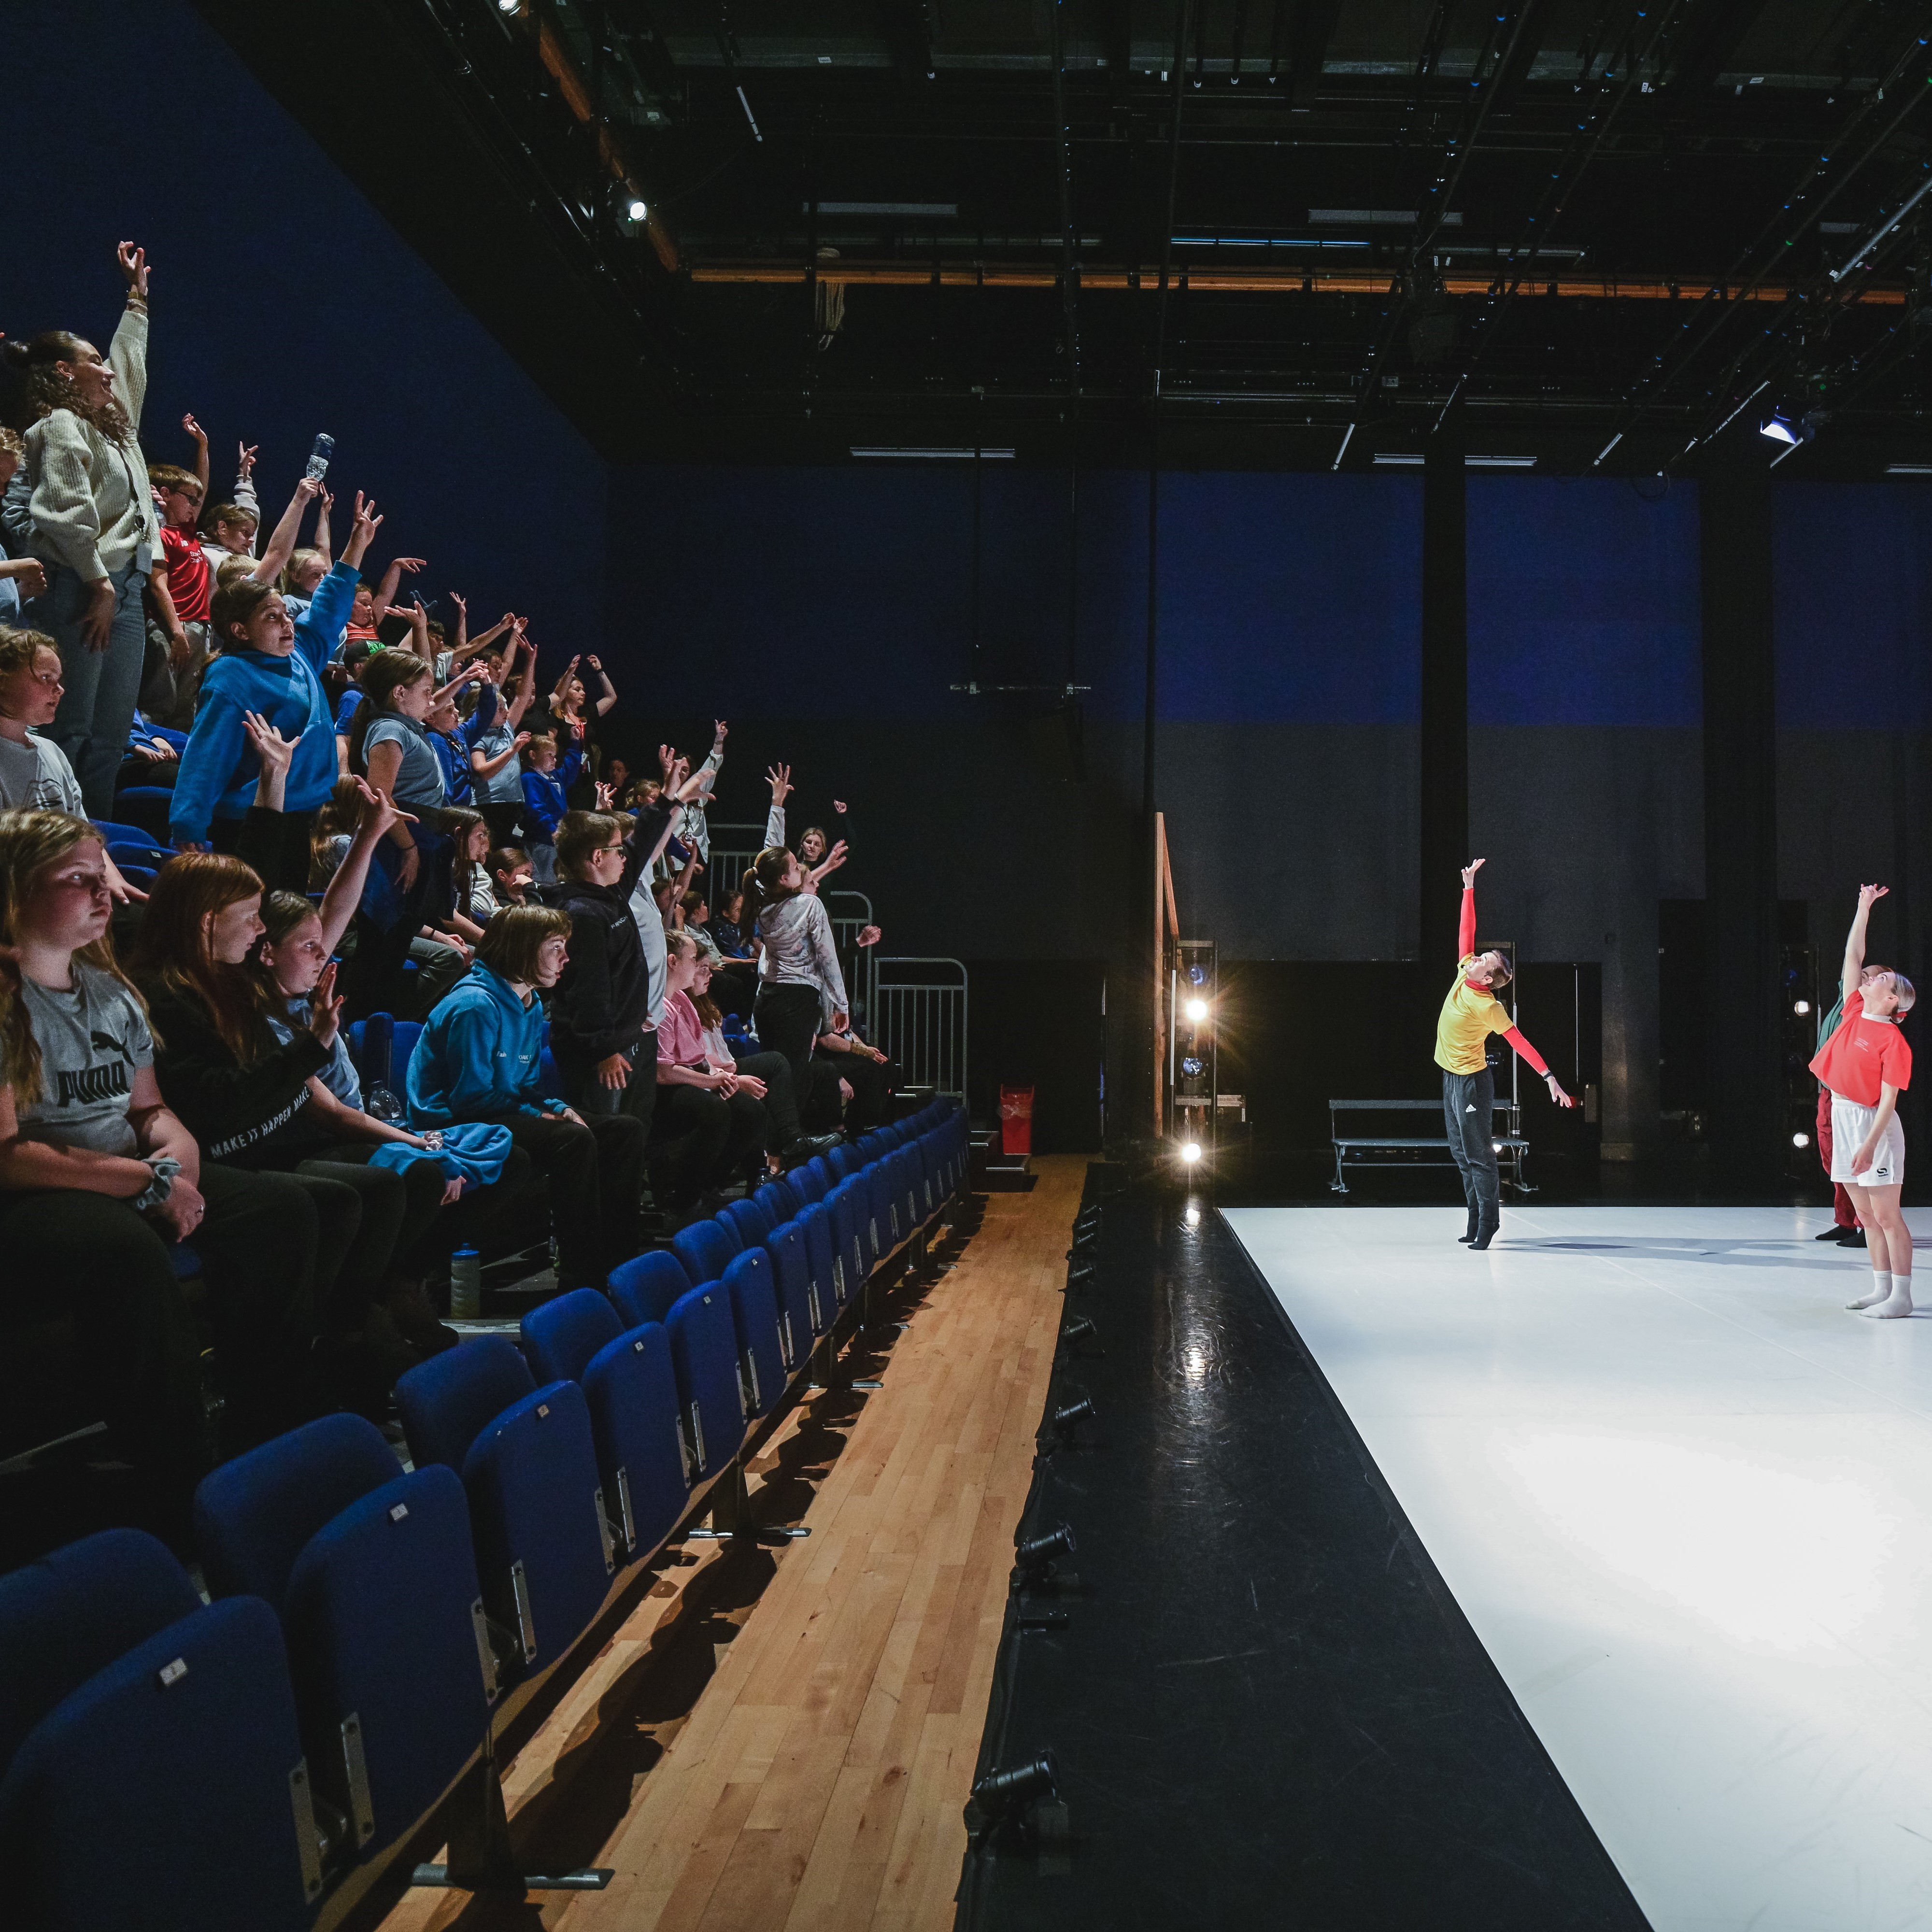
x,y
385,674
171,949
764,887
36,362
457,822
30,841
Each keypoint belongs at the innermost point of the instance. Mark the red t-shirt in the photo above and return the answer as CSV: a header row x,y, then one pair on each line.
x,y
1861,1055
190,582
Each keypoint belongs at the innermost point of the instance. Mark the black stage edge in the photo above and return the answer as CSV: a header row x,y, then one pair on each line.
x,y
1263,1706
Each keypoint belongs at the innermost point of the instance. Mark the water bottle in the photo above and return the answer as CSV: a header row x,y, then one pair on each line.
x,y
379,1102
318,457
466,1284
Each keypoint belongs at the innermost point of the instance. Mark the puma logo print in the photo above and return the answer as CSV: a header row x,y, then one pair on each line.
x,y
91,1084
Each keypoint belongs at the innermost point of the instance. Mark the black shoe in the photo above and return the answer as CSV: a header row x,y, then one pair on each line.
x,y
1835,1233
803,1149
1485,1235
1856,1239
1475,1221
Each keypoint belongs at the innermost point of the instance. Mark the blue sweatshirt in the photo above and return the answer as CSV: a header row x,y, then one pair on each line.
x,y
452,749
543,792
218,769
480,1053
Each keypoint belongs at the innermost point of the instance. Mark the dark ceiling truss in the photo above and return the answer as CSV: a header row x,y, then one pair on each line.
x,y
1622,212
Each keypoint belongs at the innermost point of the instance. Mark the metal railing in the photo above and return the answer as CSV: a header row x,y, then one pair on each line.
x,y
919,1014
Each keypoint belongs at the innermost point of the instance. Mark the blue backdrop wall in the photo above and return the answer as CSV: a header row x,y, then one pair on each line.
x,y
284,303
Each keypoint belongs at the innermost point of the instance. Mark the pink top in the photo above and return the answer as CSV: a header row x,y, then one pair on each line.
x,y
680,1033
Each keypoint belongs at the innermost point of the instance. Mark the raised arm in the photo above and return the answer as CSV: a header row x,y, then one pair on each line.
x,y
281,544
1854,939
609,697
325,502
385,592
526,684
199,436
780,776
345,890
1466,931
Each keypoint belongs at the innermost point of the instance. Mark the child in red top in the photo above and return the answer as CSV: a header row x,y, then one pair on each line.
x,y
1867,1064
182,587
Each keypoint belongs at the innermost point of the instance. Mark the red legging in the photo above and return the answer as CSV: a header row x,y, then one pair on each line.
x,y
1842,1209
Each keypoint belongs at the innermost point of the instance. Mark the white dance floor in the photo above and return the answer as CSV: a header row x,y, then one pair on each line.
x,y
1685,1500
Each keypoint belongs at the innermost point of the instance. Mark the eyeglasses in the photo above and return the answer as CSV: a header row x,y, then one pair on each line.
x,y
607,851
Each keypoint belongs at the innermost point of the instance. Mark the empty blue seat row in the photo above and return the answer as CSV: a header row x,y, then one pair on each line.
x,y
366,1620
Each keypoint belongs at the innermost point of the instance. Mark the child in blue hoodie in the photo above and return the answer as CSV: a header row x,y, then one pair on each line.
x,y
546,784
479,1057
270,665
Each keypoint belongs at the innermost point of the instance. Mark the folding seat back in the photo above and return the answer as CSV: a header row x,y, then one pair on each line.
x,y
143,851
811,1181
874,1147
780,1200
886,1233
849,1207
543,1546
828,1277
704,1247
632,1389
803,1315
253,1515
170,1790
845,1160
560,1336
893,1133
390,1653
114,832
927,1192
749,1221
645,1287
73,1612
762,1353
704,1353
446,1401
373,1049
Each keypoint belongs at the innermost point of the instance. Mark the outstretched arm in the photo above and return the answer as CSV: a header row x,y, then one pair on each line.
x,y
1537,1061
1465,932
1854,939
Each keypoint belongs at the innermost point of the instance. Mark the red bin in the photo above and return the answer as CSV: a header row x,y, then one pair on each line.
x,y
1016,1119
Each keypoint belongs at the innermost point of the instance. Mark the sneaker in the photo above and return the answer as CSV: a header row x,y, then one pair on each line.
x,y
1835,1233
803,1149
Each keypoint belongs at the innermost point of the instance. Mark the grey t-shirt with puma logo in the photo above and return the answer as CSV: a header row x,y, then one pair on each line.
x,y
93,1040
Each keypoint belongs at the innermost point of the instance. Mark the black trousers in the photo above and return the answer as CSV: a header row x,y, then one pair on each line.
x,y
91,1257
283,865
502,820
871,1083
700,1139
589,1095
1468,1108
787,1018
596,1173
781,1122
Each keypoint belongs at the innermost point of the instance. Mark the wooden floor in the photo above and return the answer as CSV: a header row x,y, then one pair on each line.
x,y
814,1778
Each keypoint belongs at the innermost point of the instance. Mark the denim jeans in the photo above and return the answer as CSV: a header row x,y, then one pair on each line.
x,y
103,687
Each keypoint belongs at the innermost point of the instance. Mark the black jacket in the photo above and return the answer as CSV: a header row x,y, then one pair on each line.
x,y
231,1110
602,1004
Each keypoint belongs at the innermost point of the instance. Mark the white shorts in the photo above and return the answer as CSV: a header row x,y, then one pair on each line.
x,y
1850,1123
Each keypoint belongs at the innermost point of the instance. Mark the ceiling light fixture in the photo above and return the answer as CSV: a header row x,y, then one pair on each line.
x,y
929,455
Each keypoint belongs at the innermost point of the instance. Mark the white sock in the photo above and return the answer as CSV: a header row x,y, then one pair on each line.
x,y
1898,1303
1881,1290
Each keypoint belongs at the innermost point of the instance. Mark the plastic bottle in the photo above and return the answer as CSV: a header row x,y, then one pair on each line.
x,y
466,1284
318,457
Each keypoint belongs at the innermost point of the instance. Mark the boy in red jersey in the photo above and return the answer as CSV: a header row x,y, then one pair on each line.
x,y
1867,1064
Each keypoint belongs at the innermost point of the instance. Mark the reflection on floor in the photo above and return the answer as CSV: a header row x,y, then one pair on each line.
x,y
1685,1501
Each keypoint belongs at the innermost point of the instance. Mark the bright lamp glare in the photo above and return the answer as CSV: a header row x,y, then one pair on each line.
x,y
1777,429
1800,1006
1190,1152
637,211
1800,1140
1196,1010
509,6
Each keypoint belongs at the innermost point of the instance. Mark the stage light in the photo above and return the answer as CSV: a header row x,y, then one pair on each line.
x,y
1800,1140
1778,428
1191,1215
1801,1006
1197,975
1033,1565
637,211
1190,1152
1195,1009
1076,1329
509,6
1066,1421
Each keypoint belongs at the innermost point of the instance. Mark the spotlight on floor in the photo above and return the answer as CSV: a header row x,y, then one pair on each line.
x,y
1800,1140
1034,1565
1078,1329
1067,1419
637,211
1801,1006
1026,1795
1195,1010
1190,1152
1080,1274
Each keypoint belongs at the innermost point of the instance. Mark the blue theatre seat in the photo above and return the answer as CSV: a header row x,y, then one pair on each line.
x,y
645,1287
